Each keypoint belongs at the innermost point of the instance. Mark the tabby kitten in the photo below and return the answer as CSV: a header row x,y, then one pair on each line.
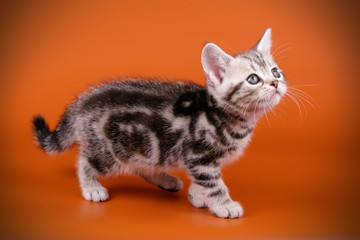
x,y
148,127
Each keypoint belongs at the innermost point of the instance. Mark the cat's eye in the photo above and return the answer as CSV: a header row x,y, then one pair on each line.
x,y
253,79
275,73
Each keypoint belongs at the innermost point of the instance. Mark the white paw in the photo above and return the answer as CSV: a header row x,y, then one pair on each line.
x,y
95,194
197,196
230,210
197,201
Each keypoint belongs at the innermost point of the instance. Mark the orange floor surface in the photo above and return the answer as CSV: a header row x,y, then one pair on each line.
x,y
298,179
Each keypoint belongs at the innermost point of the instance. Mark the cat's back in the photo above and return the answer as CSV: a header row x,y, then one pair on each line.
x,y
135,93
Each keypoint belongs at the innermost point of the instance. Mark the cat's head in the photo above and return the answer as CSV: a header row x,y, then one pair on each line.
x,y
250,82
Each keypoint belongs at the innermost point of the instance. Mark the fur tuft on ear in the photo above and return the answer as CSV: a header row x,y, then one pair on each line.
x,y
215,61
264,44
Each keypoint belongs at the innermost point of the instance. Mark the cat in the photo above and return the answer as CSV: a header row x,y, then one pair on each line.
x,y
147,127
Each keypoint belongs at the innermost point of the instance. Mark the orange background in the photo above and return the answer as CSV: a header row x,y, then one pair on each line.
x,y
298,178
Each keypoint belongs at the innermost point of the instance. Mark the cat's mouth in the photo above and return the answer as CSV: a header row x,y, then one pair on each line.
x,y
277,93
275,98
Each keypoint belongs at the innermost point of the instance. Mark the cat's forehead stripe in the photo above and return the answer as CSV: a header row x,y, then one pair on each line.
x,y
256,58
252,67
260,60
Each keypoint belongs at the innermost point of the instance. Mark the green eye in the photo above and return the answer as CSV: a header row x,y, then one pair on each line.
x,y
253,79
275,73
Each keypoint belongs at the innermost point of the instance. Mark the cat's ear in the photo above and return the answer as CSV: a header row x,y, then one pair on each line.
x,y
264,44
215,61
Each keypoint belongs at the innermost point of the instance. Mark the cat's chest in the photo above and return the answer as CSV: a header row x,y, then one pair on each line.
x,y
236,150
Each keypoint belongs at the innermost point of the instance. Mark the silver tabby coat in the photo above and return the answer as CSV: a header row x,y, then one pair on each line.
x,y
148,127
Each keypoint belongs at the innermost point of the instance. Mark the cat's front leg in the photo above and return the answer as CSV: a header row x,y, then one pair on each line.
x,y
208,190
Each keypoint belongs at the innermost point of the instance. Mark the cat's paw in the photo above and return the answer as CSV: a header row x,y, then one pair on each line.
x,y
197,201
170,183
230,210
95,194
196,196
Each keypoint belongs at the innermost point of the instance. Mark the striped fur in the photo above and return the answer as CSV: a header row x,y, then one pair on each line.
x,y
147,127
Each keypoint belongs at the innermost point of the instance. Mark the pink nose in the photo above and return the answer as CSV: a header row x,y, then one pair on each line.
x,y
274,83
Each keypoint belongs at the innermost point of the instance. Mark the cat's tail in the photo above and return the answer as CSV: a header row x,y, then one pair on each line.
x,y
56,141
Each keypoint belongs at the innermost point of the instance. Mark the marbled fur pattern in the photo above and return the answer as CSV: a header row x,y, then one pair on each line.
x,y
148,127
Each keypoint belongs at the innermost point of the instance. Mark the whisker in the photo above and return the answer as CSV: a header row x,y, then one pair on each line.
x,y
306,85
234,51
301,91
267,119
281,46
282,57
256,107
296,102
296,95
247,107
281,51
305,96
244,111
267,96
272,110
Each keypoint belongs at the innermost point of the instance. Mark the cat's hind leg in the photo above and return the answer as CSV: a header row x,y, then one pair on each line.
x,y
91,188
163,180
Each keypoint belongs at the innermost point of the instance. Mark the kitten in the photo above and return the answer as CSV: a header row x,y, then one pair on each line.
x,y
148,127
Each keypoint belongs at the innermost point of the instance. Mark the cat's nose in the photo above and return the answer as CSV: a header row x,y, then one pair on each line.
x,y
274,83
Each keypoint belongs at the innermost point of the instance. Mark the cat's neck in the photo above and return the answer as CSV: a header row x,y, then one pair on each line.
x,y
233,116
